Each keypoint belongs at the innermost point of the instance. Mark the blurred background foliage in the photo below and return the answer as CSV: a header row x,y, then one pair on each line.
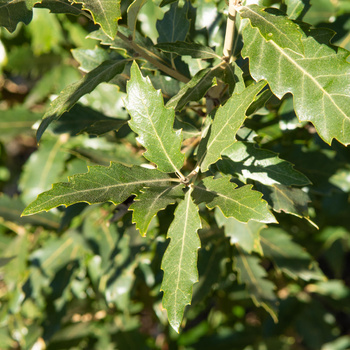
x,y
83,278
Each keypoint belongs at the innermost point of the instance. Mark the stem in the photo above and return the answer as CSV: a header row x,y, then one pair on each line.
x,y
230,29
166,69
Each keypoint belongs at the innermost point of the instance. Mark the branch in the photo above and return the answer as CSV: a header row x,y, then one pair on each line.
x,y
166,69
230,29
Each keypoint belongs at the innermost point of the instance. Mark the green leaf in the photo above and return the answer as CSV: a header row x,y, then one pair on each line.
x,y
242,203
150,201
289,256
183,48
289,200
72,93
295,8
274,26
133,11
228,119
320,83
13,12
62,6
105,13
153,123
253,276
261,165
180,260
195,89
175,25
81,119
50,158
245,235
101,184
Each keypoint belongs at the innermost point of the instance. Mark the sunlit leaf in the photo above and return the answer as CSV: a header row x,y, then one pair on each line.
x,y
228,119
150,201
242,203
180,260
101,184
153,123
104,12
320,83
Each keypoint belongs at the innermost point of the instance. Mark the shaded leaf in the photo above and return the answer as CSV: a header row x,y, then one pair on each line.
x,y
180,260
242,203
321,78
289,256
228,119
153,123
13,12
150,201
245,235
72,93
288,199
183,48
11,209
195,89
261,165
253,276
175,25
101,184
81,119
104,12
50,158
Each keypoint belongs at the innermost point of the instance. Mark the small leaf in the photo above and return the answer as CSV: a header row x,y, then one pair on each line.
x,y
104,12
195,89
228,119
242,203
101,184
289,256
245,235
261,165
150,201
174,26
72,93
183,48
253,276
180,260
276,27
320,83
153,123
295,8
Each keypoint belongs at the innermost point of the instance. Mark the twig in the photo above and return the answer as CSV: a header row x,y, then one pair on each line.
x,y
230,29
166,69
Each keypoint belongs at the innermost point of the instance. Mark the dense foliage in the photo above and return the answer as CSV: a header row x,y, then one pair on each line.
x,y
201,170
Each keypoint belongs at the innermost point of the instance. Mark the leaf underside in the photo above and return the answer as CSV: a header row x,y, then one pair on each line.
x,y
180,260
